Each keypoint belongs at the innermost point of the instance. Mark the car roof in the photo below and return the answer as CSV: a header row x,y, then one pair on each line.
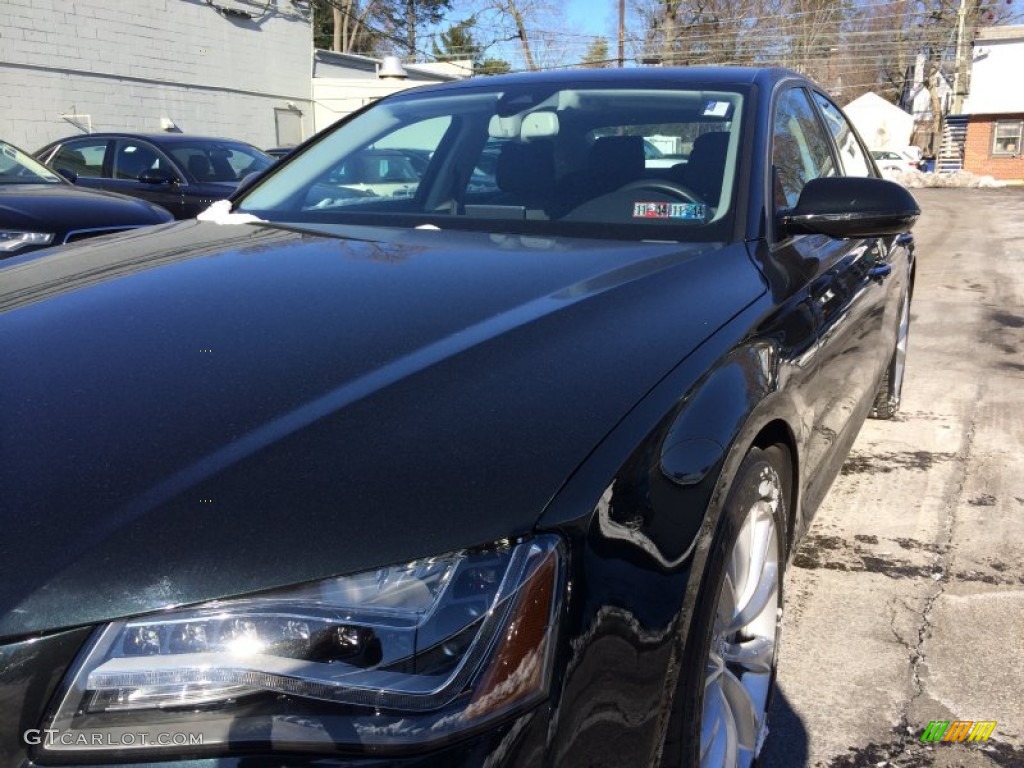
x,y
157,138
684,77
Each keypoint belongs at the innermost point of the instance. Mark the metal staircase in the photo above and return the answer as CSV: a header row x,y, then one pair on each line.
x,y
951,150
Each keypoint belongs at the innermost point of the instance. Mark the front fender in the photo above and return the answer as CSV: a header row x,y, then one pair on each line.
x,y
639,516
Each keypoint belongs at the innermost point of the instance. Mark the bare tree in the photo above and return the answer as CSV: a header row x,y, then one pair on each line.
x,y
346,25
814,29
534,24
686,32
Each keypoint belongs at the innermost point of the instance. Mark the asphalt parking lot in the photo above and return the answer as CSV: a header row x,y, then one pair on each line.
x,y
905,603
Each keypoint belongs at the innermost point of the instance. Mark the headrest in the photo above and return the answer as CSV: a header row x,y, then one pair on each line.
x,y
199,166
617,157
713,145
504,127
526,168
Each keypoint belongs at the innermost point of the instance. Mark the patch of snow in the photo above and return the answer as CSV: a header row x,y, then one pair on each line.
x,y
959,179
220,213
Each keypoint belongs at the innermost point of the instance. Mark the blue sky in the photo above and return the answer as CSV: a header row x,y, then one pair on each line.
x,y
593,17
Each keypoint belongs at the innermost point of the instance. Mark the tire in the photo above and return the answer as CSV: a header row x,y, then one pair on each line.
x,y
887,399
720,709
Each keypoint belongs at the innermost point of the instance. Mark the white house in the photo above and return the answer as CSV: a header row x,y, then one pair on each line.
x,y
994,108
882,125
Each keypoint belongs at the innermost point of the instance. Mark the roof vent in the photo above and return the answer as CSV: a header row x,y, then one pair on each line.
x,y
391,68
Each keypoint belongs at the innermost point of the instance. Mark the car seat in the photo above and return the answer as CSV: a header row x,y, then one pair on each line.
x,y
611,162
704,172
525,173
199,167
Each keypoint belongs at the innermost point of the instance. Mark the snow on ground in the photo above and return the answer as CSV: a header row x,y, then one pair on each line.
x,y
963,179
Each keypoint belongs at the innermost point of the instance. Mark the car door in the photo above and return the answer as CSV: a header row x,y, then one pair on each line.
x,y
893,257
843,293
140,169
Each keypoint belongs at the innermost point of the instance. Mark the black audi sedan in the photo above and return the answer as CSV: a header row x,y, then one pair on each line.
x,y
489,474
181,172
39,209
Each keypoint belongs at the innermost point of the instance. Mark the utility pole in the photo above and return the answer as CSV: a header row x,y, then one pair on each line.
x,y
963,46
622,33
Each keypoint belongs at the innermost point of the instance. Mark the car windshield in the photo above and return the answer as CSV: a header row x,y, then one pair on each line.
x,y
219,160
570,160
18,168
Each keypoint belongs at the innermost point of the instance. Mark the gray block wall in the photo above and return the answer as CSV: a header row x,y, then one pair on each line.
x,y
133,64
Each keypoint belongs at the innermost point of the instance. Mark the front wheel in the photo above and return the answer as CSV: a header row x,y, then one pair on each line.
x,y
721,709
887,399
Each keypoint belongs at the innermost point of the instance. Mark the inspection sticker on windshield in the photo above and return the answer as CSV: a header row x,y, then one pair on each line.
x,y
716,109
688,211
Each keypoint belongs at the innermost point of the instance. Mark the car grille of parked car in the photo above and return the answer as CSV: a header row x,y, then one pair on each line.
x,y
81,234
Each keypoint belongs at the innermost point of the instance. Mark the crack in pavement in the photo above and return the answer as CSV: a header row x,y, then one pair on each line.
x,y
942,560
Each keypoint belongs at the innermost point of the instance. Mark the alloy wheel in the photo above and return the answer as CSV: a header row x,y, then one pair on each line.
x,y
900,360
742,652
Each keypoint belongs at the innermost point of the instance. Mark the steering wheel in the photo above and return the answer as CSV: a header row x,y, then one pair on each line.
x,y
666,187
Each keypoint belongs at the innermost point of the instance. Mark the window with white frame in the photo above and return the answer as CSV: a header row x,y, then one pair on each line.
x,y
1006,137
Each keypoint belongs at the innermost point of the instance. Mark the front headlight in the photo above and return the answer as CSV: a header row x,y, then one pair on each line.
x,y
12,240
399,656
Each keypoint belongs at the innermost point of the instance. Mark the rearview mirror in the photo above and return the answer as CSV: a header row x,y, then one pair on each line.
x,y
68,174
848,207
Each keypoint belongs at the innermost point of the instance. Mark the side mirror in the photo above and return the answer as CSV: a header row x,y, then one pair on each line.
x,y
247,181
849,207
68,174
157,176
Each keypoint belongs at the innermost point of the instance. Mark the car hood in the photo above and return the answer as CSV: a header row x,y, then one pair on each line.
x,y
208,410
40,205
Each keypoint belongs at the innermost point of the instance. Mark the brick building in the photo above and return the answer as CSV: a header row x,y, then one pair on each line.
x,y
995,105
234,68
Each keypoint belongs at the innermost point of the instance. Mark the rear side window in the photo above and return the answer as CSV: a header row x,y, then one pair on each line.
x,y
84,157
851,153
800,149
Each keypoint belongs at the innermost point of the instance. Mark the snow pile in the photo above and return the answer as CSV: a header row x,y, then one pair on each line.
x,y
220,213
961,179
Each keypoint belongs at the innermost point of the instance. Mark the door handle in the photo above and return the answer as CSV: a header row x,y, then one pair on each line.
x,y
906,239
880,272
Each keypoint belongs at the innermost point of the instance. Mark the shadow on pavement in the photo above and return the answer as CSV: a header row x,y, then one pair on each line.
x,y
786,745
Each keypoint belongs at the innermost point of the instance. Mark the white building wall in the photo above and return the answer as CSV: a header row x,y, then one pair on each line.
x,y
132,64
346,82
335,98
996,67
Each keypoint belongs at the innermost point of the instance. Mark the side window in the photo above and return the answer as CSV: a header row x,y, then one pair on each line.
x,y
851,153
132,158
390,167
800,149
84,157
485,173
